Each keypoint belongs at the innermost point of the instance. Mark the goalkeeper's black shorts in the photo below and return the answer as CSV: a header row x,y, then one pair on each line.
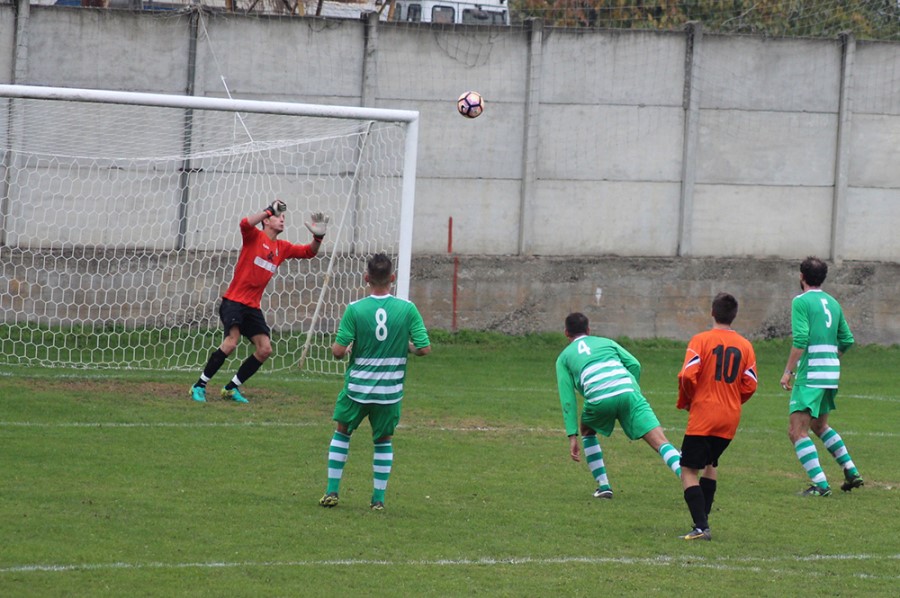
x,y
250,320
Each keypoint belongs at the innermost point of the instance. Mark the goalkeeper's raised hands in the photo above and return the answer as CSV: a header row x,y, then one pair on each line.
x,y
277,208
317,225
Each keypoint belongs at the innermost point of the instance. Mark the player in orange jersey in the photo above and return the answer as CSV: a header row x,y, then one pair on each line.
x,y
717,378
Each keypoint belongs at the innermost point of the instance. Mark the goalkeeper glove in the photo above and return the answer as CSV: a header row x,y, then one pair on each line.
x,y
317,225
278,207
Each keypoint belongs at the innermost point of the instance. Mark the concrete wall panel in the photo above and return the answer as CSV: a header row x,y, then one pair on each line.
x,y
107,49
757,73
639,68
758,221
871,224
876,82
298,60
875,151
485,215
772,148
606,218
452,146
7,43
458,60
626,143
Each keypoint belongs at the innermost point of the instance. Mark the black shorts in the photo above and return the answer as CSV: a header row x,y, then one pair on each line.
x,y
249,319
699,451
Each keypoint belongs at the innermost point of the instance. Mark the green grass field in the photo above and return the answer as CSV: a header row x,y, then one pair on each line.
x,y
116,484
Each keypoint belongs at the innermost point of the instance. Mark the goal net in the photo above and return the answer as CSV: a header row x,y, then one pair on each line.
x,y
119,221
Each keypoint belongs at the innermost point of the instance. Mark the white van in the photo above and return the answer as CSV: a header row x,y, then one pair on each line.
x,y
489,12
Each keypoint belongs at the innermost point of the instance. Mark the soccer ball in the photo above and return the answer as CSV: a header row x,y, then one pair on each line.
x,y
470,104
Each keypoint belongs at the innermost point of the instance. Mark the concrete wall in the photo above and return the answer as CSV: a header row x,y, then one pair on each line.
x,y
645,297
656,167
643,143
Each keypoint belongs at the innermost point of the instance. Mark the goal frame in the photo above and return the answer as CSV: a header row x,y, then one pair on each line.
x,y
409,118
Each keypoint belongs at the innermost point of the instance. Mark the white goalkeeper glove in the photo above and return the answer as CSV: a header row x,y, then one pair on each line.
x,y
277,208
317,225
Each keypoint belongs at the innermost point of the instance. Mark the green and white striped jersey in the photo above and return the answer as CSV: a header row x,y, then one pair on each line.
x,y
597,368
818,326
380,328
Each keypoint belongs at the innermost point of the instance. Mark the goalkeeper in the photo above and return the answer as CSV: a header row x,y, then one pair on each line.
x,y
261,253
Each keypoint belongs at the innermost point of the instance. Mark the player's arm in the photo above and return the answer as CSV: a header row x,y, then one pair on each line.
x,y
419,351
343,341
419,343
800,334
318,226
687,378
790,369
340,351
276,208
845,338
569,404
749,381
629,361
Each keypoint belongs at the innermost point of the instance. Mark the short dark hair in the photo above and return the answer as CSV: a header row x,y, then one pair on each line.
x,y
576,324
814,271
724,308
380,269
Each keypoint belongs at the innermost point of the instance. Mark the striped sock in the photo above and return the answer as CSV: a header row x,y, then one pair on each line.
x,y
337,458
835,445
809,459
594,455
672,458
382,459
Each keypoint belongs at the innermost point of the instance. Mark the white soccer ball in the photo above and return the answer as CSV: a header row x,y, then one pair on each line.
x,y
470,104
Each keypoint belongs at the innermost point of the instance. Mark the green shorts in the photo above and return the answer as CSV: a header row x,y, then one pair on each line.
x,y
818,401
631,409
384,418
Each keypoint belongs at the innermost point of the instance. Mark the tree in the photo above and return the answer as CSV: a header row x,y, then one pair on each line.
x,y
866,19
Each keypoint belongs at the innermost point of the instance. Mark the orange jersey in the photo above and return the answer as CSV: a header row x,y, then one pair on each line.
x,y
717,378
259,258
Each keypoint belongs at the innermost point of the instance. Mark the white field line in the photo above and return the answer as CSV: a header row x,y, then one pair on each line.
x,y
756,564
549,390
301,424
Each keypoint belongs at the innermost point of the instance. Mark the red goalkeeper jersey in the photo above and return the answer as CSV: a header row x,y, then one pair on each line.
x,y
259,258
718,377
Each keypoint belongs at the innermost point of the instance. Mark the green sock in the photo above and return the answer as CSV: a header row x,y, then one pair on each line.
x,y
672,458
594,455
809,459
337,458
835,445
382,459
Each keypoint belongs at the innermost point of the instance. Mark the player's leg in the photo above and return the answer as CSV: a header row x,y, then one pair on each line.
x,y
593,454
639,421
215,361
694,458
599,418
347,416
658,441
835,445
806,452
708,484
382,461
666,450
255,328
384,420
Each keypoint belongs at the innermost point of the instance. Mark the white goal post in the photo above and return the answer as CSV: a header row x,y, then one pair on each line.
x,y
119,218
